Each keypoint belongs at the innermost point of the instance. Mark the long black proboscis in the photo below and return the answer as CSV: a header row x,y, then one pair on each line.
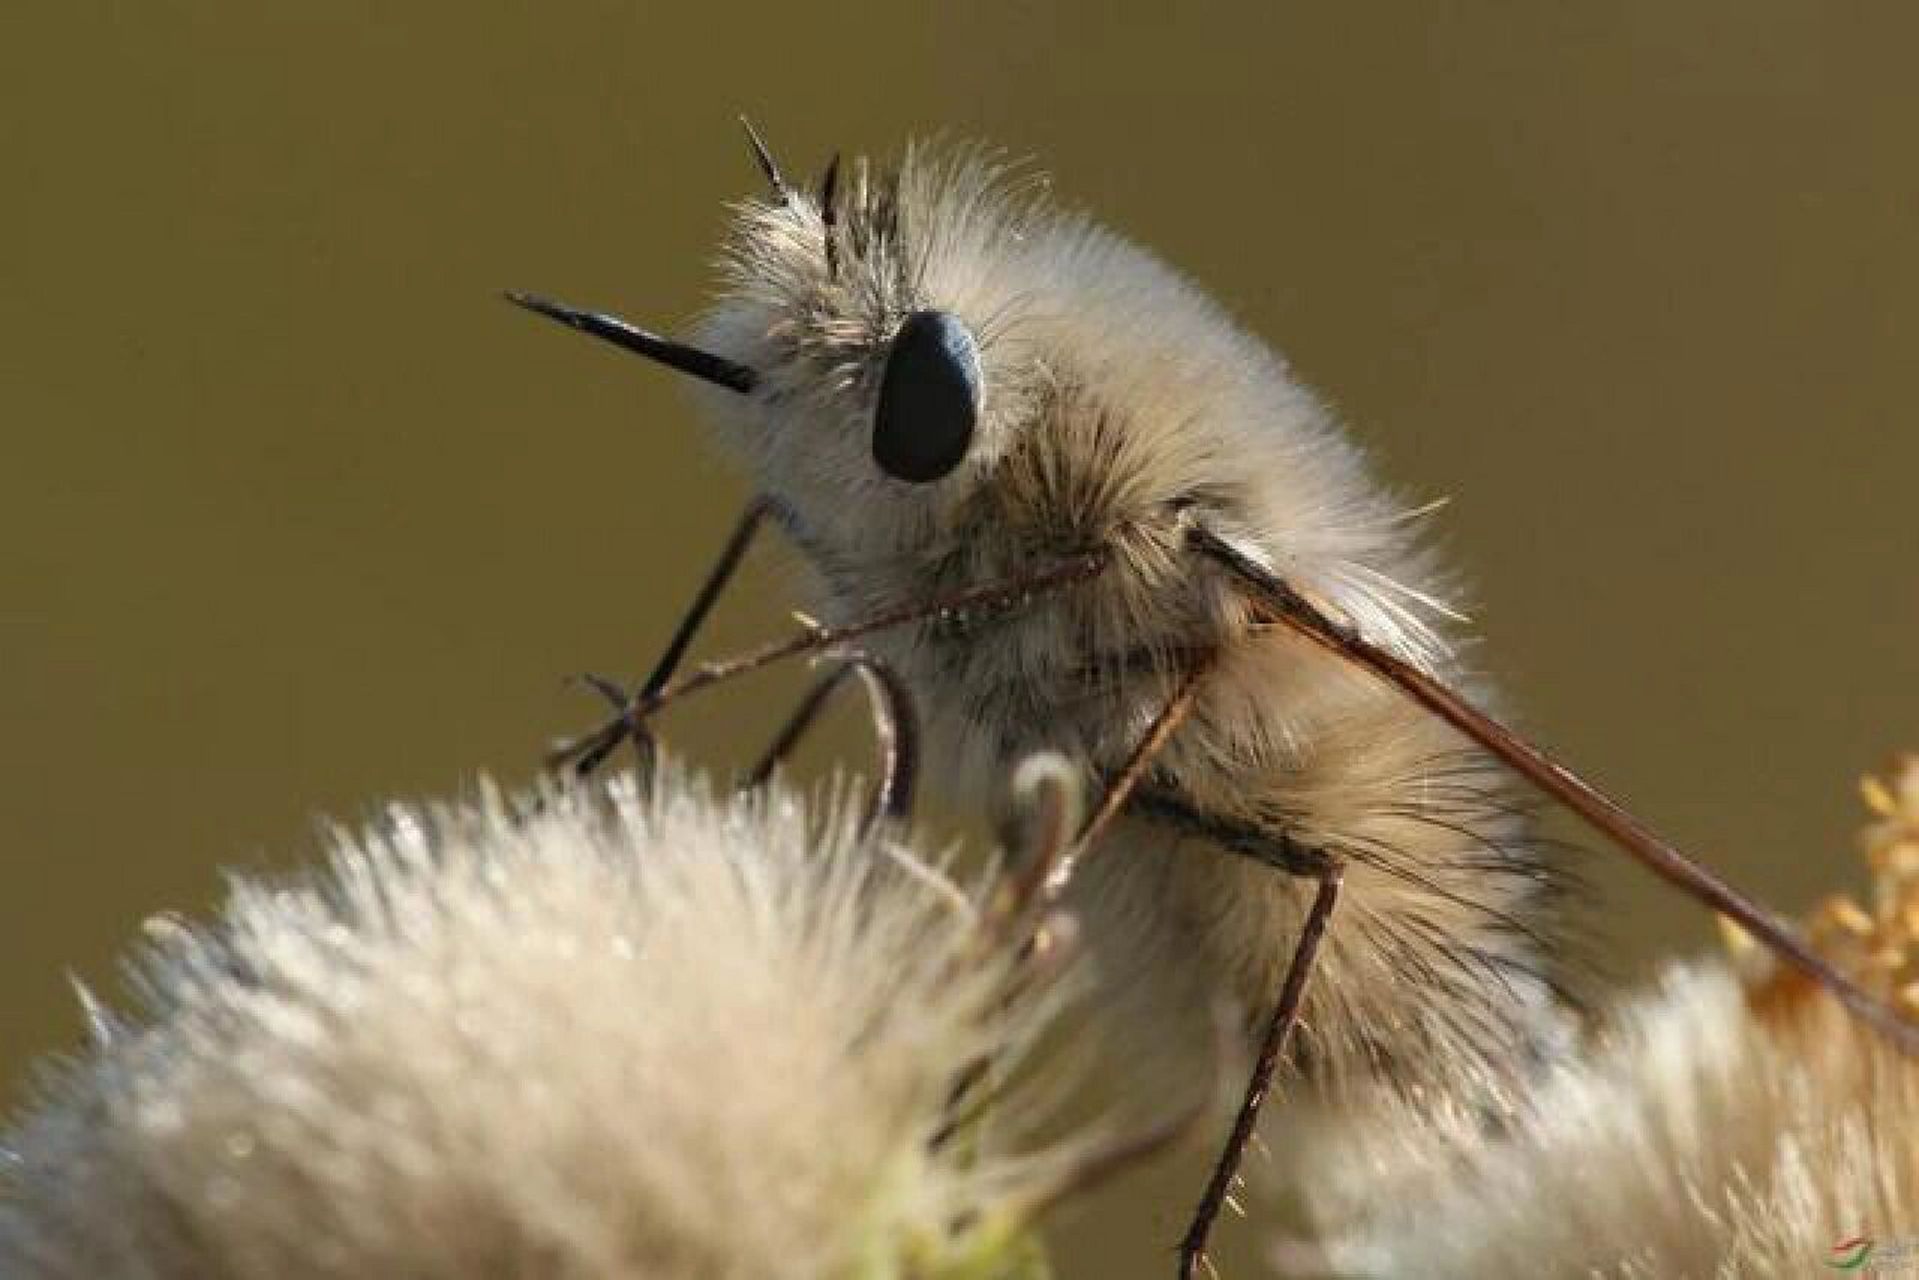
x,y
704,365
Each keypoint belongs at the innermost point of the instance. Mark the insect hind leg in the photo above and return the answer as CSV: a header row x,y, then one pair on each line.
x,y
1293,858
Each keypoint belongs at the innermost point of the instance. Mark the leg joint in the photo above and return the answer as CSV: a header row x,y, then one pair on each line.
x,y
1274,849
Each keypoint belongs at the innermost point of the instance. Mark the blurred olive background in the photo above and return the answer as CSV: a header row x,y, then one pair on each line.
x,y
298,517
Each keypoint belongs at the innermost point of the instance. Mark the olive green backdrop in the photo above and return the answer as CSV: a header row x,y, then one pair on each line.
x,y
295,516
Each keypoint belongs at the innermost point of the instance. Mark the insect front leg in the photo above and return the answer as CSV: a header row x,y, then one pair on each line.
x,y
895,732
587,754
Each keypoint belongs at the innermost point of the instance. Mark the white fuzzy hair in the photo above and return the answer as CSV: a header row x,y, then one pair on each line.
x,y
1699,1138
593,1036
1121,406
1733,1122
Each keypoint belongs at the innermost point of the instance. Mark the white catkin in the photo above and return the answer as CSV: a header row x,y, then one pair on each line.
x,y
1698,1137
598,1037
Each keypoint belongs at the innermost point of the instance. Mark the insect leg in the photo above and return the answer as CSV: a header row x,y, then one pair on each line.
x,y
1044,879
661,688
1284,854
1192,1249
993,597
894,731
716,579
646,746
1288,606
587,754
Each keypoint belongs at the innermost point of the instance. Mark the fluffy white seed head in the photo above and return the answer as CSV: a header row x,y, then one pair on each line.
x,y
1698,1139
1734,1121
1119,406
598,1036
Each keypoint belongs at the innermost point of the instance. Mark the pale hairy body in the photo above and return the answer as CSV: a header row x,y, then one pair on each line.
x,y
1120,408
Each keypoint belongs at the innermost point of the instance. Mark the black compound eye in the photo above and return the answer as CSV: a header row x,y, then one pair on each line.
x,y
929,398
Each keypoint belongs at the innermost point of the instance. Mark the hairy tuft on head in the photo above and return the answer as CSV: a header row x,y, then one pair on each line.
x,y
595,1035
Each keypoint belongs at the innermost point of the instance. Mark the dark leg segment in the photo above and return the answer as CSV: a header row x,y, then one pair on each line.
x,y
1192,1249
894,730
1045,880
591,753
1287,605
988,599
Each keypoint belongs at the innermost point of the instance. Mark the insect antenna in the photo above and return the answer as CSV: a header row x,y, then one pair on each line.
x,y
768,166
830,213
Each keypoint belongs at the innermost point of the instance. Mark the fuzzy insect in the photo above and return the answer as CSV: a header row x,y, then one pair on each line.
x,y
1076,508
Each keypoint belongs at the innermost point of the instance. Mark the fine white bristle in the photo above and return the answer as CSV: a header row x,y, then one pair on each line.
x,y
1698,1138
590,1036
1735,1121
